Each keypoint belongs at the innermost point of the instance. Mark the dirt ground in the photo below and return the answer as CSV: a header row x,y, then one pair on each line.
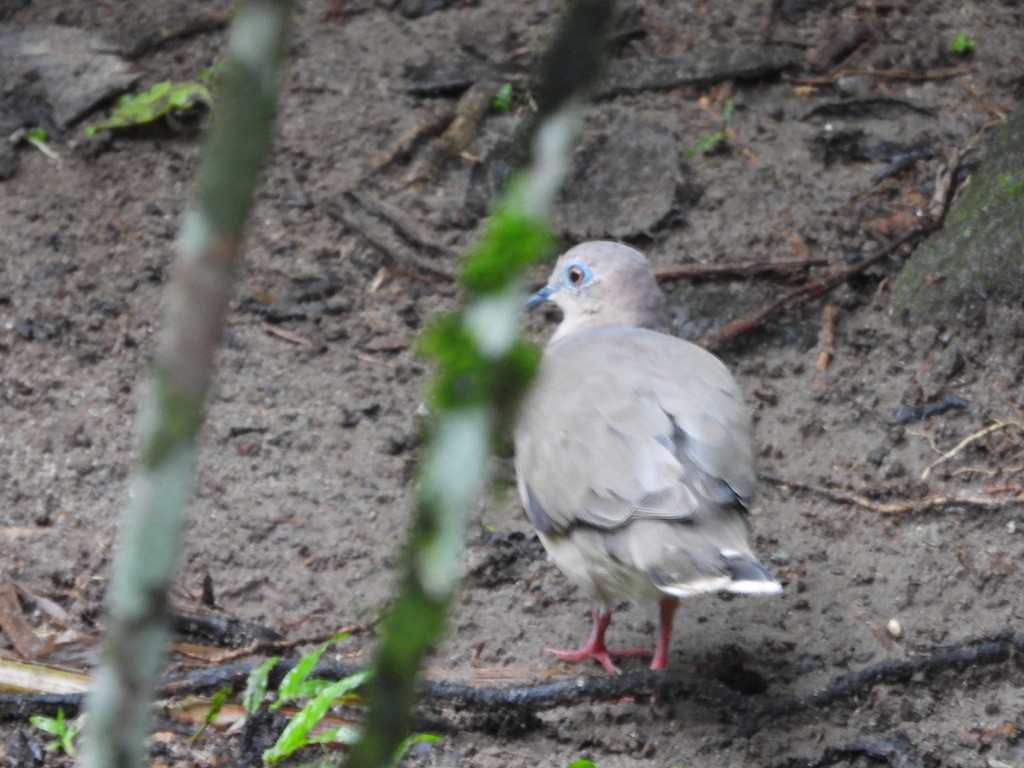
x,y
304,488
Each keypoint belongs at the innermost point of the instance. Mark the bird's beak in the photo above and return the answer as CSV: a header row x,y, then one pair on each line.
x,y
540,296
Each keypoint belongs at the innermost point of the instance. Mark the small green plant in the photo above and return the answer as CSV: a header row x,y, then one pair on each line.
x,y
416,738
961,43
320,695
158,101
1012,187
38,137
256,685
64,731
717,139
216,704
297,733
581,762
503,98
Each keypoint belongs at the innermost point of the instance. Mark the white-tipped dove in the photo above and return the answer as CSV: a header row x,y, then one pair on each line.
x,y
634,451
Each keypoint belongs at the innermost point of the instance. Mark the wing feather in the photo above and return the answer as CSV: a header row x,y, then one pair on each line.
x,y
626,424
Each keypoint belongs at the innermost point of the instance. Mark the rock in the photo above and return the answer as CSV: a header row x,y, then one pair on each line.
x,y
622,182
975,259
76,68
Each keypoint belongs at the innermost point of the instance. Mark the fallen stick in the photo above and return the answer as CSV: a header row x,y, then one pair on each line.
x,y
15,625
152,39
385,228
883,74
972,652
468,115
751,712
408,139
275,646
697,69
738,269
826,337
904,507
812,290
959,447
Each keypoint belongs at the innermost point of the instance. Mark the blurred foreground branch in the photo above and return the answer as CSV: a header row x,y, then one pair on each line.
x,y
482,371
172,413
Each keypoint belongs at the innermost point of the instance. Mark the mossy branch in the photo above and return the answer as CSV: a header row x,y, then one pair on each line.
x,y
172,413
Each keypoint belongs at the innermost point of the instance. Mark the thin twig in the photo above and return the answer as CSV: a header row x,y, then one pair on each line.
x,y
945,187
401,223
905,507
375,361
698,69
289,336
376,223
1000,488
274,646
14,624
826,337
812,290
967,441
883,74
737,270
468,115
408,139
972,652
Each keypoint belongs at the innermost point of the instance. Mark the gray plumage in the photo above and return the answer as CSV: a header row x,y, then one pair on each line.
x,y
634,452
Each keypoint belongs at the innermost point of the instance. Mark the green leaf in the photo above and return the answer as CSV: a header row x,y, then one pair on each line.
x,y
296,733
157,101
216,703
503,98
719,137
295,679
726,115
52,725
256,685
295,684
580,763
37,137
705,145
961,43
65,731
415,738
512,241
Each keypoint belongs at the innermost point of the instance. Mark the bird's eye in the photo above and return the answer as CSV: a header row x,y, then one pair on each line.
x,y
575,275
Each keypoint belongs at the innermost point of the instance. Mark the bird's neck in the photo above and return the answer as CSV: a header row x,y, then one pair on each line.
x,y
583,322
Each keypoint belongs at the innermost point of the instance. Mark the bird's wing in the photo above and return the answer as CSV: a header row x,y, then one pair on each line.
x,y
626,424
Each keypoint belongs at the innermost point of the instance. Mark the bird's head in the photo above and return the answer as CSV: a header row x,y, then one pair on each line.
x,y
601,283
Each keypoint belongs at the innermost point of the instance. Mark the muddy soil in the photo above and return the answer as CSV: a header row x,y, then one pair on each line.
x,y
304,487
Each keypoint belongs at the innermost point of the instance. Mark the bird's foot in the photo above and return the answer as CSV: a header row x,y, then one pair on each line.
x,y
599,653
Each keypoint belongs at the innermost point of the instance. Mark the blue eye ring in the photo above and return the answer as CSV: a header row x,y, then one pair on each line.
x,y
576,274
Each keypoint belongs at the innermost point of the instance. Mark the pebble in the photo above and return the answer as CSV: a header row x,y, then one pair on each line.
x,y
855,85
780,557
894,628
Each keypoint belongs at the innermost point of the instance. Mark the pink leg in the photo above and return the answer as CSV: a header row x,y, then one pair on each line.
x,y
666,610
595,647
